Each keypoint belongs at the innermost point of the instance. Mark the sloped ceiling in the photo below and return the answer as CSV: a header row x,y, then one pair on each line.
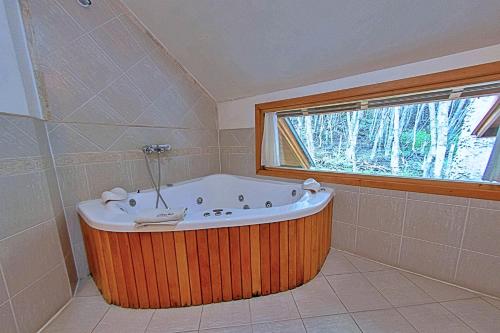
x,y
240,48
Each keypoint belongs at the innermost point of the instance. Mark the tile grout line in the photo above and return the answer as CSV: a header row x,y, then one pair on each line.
x,y
403,228
467,218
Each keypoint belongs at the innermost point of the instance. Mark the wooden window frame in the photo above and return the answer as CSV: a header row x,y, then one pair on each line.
x,y
448,79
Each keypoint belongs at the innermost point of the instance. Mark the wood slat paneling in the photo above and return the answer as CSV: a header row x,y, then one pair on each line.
x,y
274,239
182,268
246,269
283,253
161,269
171,265
204,262
225,264
255,259
265,258
215,270
194,267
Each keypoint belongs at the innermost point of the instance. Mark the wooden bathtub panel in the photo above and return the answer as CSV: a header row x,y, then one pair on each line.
x,y
118,269
234,246
181,268
103,281
283,256
292,254
193,266
139,272
204,262
307,247
300,251
215,269
255,260
265,258
161,269
225,264
171,265
246,269
128,269
149,269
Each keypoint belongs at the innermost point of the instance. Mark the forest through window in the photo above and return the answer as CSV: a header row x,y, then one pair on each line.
x,y
424,140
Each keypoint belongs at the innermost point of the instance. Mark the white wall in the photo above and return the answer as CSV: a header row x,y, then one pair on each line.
x,y
17,85
240,113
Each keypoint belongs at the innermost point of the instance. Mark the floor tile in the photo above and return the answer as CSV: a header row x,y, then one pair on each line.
x,y
316,298
433,318
478,314
397,289
356,292
175,320
365,265
382,321
81,316
493,301
233,329
273,308
124,320
336,263
235,313
342,323
441,292
287,326
87,287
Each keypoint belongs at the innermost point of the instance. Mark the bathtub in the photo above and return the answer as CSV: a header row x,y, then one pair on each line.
x,y
241,237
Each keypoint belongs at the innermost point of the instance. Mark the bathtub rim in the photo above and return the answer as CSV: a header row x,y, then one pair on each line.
x,y
318,201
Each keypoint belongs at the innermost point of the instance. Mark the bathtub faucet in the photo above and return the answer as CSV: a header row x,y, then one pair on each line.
x,y
161,148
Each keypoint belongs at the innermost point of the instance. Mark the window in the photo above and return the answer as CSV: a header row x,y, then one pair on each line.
x,y
420,140
436,133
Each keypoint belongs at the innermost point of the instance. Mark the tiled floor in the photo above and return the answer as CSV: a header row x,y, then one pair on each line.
x,y
351,294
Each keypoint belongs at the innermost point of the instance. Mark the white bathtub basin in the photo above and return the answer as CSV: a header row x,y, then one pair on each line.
x,y
219,193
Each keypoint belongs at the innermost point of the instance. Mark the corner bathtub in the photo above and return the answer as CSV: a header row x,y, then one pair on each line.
x,y
221,251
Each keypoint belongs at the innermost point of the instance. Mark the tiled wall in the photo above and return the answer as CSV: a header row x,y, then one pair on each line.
x,y
108,88
34,241
449,238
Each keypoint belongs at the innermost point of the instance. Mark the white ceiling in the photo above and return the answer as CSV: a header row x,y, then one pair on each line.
x,y
240,48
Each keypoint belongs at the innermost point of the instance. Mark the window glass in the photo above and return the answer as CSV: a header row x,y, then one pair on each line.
x,y
427,140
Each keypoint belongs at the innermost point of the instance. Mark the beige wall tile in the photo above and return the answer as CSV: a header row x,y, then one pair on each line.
x,y
345,207
376,245
24,202
26,256
381,213
69,261
479,272
16,143
435,260
483,231
488,204
54,27
73,223
114,38
344,236
444,199
62,231
381,191
65,140
90,65
81,263
3,290
7,320
125,99
73,184
105,176
435,222
148,78
39,302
